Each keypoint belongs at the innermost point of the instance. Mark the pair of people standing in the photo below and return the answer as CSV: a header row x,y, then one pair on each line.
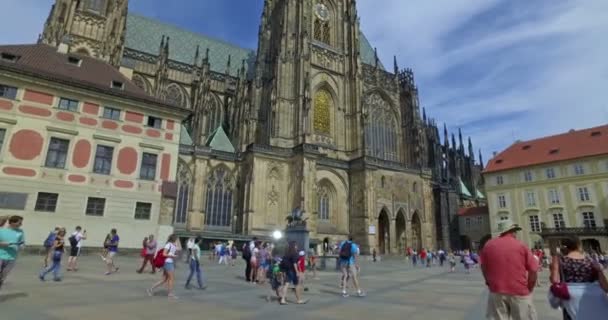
x,y
12,239
56,253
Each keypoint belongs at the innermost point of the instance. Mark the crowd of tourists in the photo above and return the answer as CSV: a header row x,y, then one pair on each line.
x,y
510,269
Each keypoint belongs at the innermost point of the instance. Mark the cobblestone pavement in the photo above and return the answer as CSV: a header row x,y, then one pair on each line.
x,y
394,289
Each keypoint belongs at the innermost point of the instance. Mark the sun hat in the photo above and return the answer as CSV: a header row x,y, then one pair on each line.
x,y
506,226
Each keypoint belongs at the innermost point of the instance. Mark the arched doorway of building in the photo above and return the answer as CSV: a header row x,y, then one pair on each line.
x,y
400,230
383,233
416,232
590,245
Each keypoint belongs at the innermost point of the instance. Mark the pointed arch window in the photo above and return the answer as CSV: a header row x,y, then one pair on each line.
x,y
184,180
381,129
325,202
140,82
214,115
219,199
322,111
96,6
322,29
175,96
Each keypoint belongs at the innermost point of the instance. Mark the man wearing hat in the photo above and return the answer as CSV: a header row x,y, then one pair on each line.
x,y
510,271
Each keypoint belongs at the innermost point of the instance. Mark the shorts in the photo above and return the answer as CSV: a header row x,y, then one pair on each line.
x,y
350,269
74,251
169,266
275,283
501,306
110,254
291,277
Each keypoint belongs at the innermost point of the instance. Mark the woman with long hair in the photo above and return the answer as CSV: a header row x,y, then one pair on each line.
x,y
170,254
587,284
58,248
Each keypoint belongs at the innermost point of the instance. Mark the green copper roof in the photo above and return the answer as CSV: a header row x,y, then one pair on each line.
x,y
145,34
184,136
480,195
219,141
464,190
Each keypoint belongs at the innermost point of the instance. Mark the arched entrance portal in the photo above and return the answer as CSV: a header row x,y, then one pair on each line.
x,y
416,232
400,230
383,233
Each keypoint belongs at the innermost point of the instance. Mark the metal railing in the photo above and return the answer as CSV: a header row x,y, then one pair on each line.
x,y
581,231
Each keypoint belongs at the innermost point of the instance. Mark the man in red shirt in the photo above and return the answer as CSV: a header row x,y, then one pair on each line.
x,y
510,271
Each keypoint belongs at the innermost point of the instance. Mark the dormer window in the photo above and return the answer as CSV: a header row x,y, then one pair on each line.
x,y
526,147
596,133
117,85
74,61
9,57
554,151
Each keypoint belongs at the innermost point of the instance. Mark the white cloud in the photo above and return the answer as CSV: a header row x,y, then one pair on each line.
x,y
544,69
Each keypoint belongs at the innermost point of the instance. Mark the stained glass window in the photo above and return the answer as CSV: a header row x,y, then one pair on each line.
x,y
324,203
219,199
214,115
322,118
381,129
175,96
322,31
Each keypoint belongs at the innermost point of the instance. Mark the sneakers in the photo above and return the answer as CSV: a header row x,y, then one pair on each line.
x,y
149,292
361,294
345,294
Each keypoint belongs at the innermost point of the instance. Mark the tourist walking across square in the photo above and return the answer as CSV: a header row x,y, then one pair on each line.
x,y
58,249
349,266
510,272
149,247
195,264
48,246
112,245
75,245
169,254
11,240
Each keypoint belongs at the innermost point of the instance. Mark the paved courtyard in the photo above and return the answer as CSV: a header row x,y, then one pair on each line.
x,y
395,291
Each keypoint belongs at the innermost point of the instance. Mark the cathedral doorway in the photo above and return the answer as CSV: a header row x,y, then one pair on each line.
x,y
400,230
383,233
416,232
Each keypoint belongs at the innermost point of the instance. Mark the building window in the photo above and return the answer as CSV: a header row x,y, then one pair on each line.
x,y
550,173
68,104
467,223
46,202
13,200
143,210
479,220
155,122
534,223
530,198
324,203
499,180
148,166
111,113
103,160
558,221
57,153
96,6
8,92
554,196
95,206
184,179
219,199
502,201
504,218
381,129
528,176
579,169
583,194
2,135
588,220
322,112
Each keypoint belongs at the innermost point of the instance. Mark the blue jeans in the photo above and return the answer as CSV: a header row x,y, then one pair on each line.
x,y
195,267
55,267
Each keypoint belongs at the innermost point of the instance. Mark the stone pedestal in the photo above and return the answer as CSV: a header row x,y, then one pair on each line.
x,y
299,234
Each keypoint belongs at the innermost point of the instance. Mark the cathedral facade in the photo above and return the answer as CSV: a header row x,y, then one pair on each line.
x,y
311,121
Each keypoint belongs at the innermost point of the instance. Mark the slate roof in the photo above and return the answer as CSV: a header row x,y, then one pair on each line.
x,y
464,190
45,62
144,34
220,141
571,145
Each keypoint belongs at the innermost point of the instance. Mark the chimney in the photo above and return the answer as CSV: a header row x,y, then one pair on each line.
x,y
494,154
64,45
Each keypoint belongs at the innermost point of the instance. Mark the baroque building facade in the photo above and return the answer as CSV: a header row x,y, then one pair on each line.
x,y
312,120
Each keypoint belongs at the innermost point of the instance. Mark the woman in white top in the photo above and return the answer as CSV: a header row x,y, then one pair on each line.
x,y
170,253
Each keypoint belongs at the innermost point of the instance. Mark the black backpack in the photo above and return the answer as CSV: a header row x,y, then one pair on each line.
x,y
73,241
246,252
346,250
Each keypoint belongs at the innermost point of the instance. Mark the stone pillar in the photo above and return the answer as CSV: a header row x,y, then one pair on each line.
x,y
392,236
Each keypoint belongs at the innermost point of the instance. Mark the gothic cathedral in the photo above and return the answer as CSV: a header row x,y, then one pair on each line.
x,y
311,121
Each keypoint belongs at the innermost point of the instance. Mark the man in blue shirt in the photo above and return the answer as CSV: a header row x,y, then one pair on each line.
x,y
112,250
348,253
11,240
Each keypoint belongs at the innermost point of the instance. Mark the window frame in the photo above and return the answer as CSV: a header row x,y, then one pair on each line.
x,y
502,201
88,203
500,180
558,217
3,132
550,173
70,103
47,160
534,222
4,89
112,111
105,160
47,206
579,169
528,176
145,168
589,221
533,198
155,121
136,217
556,199
583,194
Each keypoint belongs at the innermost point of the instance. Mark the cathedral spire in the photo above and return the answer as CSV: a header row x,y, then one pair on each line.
x,y
395,66
460,140
228,65
162,45
446,140
471,152
196,55
453,141
424,114
206,61
480,159
376,60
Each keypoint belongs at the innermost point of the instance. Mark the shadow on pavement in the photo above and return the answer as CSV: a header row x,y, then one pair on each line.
x,y
12,296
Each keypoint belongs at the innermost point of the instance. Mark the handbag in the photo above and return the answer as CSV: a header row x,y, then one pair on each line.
x,y
560,290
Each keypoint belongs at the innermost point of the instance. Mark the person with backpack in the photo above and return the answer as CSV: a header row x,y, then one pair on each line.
x,y
48,246
166,259
289,266
349,265
58,249
75,244
195,264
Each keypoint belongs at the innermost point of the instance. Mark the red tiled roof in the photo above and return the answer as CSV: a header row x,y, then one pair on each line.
x,y
472,211
44,61
566,146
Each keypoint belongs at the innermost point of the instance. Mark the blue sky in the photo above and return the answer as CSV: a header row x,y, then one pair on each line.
x,y
501,70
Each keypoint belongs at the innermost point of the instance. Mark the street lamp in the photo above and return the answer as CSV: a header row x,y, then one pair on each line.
x,y
277,234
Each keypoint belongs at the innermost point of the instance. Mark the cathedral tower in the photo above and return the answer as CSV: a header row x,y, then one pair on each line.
x,y
92,27
305,90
